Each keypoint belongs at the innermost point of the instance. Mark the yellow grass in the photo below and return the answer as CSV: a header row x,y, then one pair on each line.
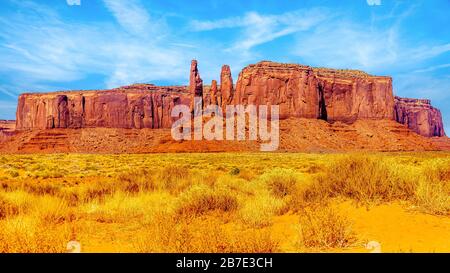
x,y
325,227
227,202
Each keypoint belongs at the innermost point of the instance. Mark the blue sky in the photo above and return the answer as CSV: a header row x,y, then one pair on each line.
x,y
60,45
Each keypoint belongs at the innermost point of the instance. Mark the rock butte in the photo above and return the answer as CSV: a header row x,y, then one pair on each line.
x,y
321,110
419,116
300,91
135,106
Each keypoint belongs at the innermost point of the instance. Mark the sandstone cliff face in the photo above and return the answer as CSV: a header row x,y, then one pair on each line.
x,y
419,116
302,91
292,87
136,106
350,95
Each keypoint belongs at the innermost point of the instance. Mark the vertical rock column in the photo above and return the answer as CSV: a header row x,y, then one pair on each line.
x,y
213,93
226,86
195,87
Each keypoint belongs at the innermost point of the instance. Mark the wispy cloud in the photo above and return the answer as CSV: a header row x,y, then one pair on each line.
x,y
73,2
37,49
232,22
423,86
4,104
133,17
8,93
7,109
347,44
373,2
432,68
260,28
427,52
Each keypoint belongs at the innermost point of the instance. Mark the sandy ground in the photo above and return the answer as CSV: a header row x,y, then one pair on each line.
x,y
396,227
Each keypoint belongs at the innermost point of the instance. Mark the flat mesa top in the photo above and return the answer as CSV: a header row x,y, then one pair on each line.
x,y
320,71
134,88
265,67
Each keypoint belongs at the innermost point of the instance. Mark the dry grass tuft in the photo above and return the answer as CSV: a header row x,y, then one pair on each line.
x,y
199,235
174,178
364,179
7,208
31,235
432,197
325,227
281,182
201,199
259,211
14,203
136,181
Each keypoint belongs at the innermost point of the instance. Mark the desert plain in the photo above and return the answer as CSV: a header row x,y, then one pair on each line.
x,y
226,202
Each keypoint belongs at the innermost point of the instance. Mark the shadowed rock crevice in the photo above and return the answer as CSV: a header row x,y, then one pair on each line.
x,y
322,104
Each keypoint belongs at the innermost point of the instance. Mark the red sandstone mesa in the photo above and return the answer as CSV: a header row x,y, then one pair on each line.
x,y
350,95
419,116
300,91
136,106
292,87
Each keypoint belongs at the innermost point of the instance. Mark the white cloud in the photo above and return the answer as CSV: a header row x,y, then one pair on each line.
x,y
427,52
432,68
232,22
8,93
348,45
73,2
257,29
39,49
373,2
7,109
422,86
345,44
134,18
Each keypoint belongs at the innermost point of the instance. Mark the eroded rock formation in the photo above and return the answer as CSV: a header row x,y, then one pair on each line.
x,y
419,116
135,106
349,95
195,86
213,93
292,87
226,86
300,91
